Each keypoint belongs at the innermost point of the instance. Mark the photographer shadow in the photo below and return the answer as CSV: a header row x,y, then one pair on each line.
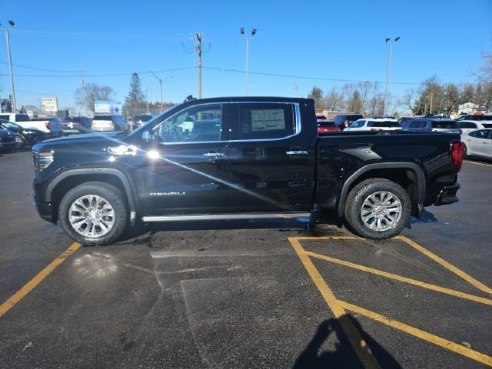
x,y
344,355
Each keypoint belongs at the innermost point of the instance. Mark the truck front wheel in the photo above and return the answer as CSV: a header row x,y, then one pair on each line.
x,y
93,213
377,209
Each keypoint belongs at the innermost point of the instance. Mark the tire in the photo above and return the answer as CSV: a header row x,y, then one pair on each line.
x,y
93,213
377,209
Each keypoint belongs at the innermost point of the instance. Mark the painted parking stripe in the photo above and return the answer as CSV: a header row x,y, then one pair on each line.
x,y
446,265
356,341
33,283
400,278
423,335
337,305
477,163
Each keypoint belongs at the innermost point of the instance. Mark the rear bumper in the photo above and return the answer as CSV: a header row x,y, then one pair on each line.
x,y
447,195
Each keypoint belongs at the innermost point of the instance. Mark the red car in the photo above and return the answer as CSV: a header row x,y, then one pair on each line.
x,y
327,126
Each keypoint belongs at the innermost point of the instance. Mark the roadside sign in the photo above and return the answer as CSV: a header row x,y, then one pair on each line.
x,y
49,104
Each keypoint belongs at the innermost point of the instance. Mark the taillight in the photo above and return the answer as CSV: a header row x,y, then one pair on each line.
x,y
457,154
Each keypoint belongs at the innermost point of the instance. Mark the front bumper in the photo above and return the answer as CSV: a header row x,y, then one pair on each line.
x,y
447,195
45,210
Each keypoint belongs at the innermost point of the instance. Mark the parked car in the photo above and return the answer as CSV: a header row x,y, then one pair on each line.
x,y
76,125
472,125
7,140
478,143
405,121
433,125
101,123
140,119
15,117
50,125
24,136
327,126
345,120
374,124
476,117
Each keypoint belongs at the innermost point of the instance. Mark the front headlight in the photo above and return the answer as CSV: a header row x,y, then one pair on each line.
x,y
42,160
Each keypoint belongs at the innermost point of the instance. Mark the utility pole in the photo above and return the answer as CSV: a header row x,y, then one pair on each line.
x,y
9,56
82,81
198,49
390,43
431,98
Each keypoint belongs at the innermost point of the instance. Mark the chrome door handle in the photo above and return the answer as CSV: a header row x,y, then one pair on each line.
x,y
298,152
214,155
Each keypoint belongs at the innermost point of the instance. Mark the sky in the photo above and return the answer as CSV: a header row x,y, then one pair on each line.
x,y
58,45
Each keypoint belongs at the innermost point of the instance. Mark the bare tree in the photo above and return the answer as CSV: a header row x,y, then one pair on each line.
x,y
333,100
90,92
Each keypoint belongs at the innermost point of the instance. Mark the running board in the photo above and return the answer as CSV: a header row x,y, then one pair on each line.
x,y
173,218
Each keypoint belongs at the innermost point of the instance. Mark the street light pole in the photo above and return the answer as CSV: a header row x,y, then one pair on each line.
x,y
160,83
390,43
247,38
9,56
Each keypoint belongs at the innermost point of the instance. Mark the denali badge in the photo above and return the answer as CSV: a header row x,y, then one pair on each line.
x,y
172,193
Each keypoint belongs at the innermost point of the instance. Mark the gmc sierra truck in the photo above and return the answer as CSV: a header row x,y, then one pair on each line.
x,y
242,158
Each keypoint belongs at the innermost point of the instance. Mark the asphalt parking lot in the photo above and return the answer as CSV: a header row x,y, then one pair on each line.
x,y
247,294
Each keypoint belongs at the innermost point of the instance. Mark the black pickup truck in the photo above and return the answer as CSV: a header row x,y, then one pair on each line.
x,y
242,158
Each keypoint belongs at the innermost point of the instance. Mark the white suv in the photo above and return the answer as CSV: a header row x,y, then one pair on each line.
x,y
467,126
101,123
374,124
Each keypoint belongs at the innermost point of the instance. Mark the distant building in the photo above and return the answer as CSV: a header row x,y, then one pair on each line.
x,y
467,108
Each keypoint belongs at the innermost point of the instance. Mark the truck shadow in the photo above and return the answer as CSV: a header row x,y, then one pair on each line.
x,y
425,217
300,226
343,356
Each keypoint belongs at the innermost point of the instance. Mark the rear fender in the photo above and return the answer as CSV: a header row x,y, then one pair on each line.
x,y
360,174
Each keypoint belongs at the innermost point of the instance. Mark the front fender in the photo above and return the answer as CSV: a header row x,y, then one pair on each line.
x,y
94,174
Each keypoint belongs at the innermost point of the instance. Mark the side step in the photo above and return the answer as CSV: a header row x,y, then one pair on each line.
x,y
235,216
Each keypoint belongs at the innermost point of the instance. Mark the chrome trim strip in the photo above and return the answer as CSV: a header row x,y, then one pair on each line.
x,y
297,118
246,216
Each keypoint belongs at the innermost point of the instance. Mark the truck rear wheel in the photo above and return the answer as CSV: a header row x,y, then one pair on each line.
x,y
377,209
93,213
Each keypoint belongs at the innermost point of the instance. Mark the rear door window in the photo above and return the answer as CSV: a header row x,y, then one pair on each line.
x,y
265,121
444,124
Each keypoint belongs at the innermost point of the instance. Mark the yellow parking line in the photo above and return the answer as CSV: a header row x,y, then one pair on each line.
x,y
33,283
446,265
341,306
356,341
474,162
423,335
400,278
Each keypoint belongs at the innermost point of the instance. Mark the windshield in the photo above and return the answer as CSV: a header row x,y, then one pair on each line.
x,y
10,125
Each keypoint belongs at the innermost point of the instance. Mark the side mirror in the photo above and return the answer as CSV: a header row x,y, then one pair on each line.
x,y
146,136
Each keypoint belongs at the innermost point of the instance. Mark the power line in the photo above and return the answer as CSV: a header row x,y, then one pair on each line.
x,y
40,69
77,75
318,78
120,36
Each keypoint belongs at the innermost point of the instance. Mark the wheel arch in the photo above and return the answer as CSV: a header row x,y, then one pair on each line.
x,y
65,181
409,175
